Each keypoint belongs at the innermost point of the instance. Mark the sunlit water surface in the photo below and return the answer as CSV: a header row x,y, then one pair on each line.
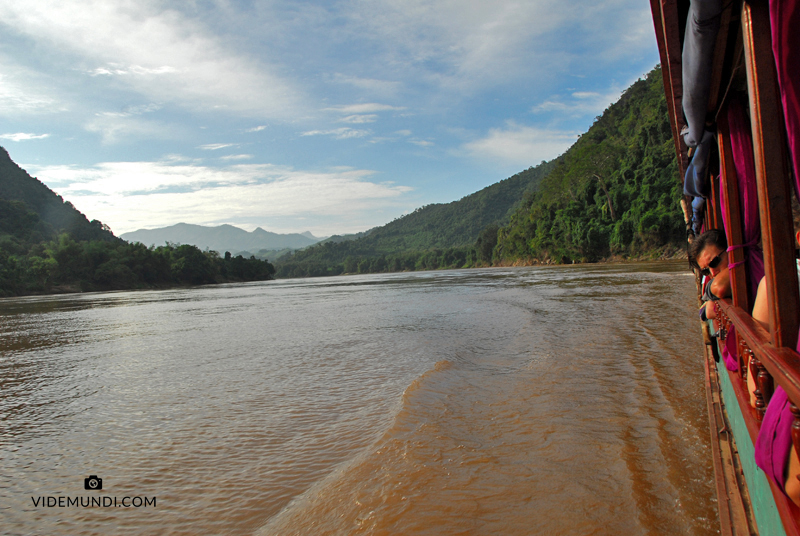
x,y
561,400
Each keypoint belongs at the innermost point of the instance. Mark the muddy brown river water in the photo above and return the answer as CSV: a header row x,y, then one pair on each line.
x,y
564,400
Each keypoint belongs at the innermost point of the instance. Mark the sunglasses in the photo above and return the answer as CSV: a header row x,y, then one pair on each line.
x,y
713,263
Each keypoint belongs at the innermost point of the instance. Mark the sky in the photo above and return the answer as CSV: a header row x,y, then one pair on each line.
x,y
331,117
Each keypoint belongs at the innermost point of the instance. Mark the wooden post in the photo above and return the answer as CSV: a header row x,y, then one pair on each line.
x,y
744,357
733,213
716,182
772,175
713,205
755,370
765,384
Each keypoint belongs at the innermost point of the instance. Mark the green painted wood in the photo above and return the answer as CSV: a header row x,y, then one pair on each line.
x,y
768,520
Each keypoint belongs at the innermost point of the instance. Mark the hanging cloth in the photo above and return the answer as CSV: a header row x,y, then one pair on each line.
x,y
694,183
744,164
699,41
785,21
730,354
698,208
774,441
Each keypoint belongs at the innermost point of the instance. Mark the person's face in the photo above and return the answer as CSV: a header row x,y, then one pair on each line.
x,y
712,258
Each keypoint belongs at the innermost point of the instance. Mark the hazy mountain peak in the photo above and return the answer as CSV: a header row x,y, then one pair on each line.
x,y
221,238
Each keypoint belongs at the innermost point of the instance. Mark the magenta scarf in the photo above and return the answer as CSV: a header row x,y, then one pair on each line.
x,y
730,354
774,440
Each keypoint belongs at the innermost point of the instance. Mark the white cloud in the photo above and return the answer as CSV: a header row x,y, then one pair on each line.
x,y
355,119
403,132
461,43
215,146
339,133
117,69
521,145
421,143
464,46
174,158
579,103
128,42
21,91
21,136
365,108
372,85
237,157
115,127
134,195
142,109
259,128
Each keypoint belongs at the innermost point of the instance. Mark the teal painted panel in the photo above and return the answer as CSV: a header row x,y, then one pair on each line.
x,y
768,520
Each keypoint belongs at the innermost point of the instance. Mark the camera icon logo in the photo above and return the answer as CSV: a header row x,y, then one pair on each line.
x,y
93,482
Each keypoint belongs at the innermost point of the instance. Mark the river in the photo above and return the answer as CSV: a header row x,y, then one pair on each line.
x,y
546,400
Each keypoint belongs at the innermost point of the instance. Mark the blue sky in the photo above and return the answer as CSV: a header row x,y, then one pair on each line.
x,y
332,117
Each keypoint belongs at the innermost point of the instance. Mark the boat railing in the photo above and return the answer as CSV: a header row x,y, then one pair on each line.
x,y
770,366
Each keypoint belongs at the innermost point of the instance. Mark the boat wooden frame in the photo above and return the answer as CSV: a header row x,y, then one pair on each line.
x,y
748,502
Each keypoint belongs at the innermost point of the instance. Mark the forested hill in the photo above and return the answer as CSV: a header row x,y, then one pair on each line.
x,y
454,225
614,192
31,212
46,245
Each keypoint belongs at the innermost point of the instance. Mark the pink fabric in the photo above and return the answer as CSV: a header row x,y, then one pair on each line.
x,y
730,353
785,22
774,441
744,163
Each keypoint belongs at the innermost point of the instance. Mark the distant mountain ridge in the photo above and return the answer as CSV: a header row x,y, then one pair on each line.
x,y
221,238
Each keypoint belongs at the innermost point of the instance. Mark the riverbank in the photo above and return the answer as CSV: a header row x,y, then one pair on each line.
x,y
666,253
58,290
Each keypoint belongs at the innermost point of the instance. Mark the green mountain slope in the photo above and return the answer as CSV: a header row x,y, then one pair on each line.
x,y
614,192
31,212
46,245
451,225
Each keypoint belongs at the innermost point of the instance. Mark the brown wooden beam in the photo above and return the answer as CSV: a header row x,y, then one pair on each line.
x,y
665,21
772,175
